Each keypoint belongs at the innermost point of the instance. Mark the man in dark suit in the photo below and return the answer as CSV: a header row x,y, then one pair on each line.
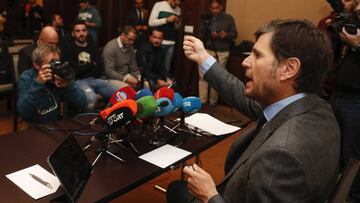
x,y
293,153
138,18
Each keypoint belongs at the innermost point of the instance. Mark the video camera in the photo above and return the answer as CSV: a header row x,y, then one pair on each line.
x,y
340,21
63,70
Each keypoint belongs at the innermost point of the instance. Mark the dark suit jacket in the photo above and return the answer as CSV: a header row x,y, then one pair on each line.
x,y
25,54
294,157
134,20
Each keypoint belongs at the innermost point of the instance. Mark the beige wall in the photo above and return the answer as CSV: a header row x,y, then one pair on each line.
x,y
250,14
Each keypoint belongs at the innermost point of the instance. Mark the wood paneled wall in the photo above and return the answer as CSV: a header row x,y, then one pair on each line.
x,y
113,13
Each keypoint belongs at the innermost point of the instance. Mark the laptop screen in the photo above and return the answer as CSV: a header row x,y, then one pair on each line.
x,y
71,166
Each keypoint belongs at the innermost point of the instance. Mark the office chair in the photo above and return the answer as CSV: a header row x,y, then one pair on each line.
x,y
344,183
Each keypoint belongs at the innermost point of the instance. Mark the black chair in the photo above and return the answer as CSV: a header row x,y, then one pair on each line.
x,y
8,89
345,181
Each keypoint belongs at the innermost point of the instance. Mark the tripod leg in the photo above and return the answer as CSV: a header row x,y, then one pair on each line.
x,y
97,158
118,142
134,148
116,157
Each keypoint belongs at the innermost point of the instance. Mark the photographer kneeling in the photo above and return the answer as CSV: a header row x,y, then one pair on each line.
x,y
41,89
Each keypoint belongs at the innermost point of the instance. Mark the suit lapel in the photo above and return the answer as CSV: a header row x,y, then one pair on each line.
x,y
298,107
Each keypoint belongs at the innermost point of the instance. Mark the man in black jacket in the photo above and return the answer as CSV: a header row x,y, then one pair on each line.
x,y
150,59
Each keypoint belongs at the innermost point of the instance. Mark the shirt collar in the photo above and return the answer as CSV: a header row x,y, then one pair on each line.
x,y
120,44
275,108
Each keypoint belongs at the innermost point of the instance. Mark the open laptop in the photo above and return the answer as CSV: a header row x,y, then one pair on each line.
x,y
71,166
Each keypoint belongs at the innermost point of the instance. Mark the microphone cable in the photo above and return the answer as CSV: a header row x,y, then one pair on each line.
x,y
91,124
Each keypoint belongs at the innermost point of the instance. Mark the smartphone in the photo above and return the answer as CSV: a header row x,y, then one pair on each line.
x,y
351,29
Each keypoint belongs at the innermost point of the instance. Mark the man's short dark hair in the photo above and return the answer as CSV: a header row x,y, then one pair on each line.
x,y
52,17
300,39
77,22
127,29
155,29
215,1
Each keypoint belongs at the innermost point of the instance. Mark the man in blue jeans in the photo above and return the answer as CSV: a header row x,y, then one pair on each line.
x,y
83,55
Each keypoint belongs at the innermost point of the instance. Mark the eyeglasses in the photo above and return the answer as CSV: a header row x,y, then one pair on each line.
x,y
131,39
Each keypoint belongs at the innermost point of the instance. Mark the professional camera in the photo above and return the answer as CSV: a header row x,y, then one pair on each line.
x,y
340,21
63,70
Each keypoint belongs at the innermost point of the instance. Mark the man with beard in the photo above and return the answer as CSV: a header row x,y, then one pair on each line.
x,y
91,17
150,58
83,55
166,16
119,60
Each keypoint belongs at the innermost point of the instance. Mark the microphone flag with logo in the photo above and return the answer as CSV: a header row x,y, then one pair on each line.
x,y
191,104
117,118
131,104
164,92
122,94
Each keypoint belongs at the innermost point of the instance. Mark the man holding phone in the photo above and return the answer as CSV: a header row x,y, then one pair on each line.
x,y
218,31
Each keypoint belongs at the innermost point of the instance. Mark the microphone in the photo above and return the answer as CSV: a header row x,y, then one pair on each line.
x,y
191,105
146,106
131,104
143,93
122,94
177,101
165,107
164,92
116,118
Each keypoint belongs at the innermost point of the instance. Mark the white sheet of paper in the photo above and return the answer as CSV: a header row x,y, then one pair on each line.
x,y
209,124
165,156
31,186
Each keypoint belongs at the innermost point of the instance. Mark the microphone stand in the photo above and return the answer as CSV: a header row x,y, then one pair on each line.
x,y
160,122
127,139
181,126
104,150
159,137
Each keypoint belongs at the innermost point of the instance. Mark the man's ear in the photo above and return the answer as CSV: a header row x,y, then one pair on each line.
x,y
291,70
37,67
